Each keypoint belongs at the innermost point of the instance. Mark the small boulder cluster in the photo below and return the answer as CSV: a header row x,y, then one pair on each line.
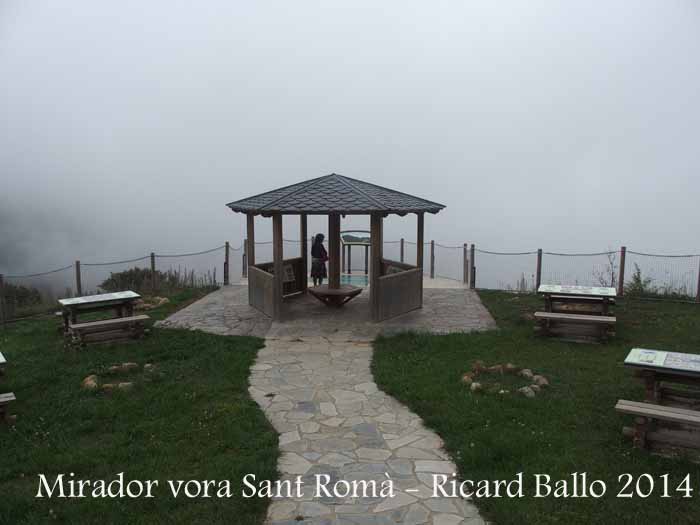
x,y
538,381
92,382
149,303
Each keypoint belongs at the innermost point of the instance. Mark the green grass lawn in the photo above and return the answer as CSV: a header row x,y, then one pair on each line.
x,y
571,427
190,419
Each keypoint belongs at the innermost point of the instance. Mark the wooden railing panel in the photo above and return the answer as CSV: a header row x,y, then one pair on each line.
x,y
400,292
261,290
388,264
289,287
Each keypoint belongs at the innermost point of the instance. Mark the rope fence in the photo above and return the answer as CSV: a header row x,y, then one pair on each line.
x,y
632,273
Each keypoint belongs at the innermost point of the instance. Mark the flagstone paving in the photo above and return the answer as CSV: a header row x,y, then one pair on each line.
x,y
227,312
314,383
333,420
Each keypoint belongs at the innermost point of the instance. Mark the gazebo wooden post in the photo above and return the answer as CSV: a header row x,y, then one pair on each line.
x,y
375,270
419,241
419,250
334,251
250,251
278,265
304,251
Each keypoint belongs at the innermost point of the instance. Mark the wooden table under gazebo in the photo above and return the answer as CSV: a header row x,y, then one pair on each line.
x,y
395,287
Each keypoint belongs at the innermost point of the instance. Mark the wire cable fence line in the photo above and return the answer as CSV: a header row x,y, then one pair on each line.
x,y
39,274
633,273
663,255
192,254
126,261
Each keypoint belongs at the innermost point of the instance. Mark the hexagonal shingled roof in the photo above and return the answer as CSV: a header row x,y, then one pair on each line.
x,y
334,194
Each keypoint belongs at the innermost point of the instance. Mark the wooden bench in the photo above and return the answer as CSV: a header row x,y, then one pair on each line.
x,y
679,429
582,299
108,330
5,400
602,322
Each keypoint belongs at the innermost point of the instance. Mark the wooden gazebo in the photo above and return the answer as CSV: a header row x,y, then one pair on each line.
x,y
394,287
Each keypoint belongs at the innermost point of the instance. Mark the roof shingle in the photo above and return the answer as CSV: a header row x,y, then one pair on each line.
x,y
334,194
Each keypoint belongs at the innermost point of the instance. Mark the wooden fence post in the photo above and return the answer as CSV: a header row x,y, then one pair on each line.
x,y
154,284
245,258
227,249
402,250
432,259
78,282
2,300
538,274
465,264
621,279
472,268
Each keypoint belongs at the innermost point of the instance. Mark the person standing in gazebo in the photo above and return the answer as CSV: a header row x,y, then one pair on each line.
x,y
319,256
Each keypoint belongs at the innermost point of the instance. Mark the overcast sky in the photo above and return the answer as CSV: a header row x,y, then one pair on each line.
x,y
125,127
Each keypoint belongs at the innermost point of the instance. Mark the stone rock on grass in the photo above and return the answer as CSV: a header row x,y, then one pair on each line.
x,y
125,386
527,391
495,369
526,373
476,387
108,387
540,380
467,378
510,368
124,367
478,366
535,388
149,367
90,382
150,302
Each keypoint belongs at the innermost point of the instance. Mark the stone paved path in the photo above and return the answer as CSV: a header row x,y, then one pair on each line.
x,y
226,312
313,381
320,396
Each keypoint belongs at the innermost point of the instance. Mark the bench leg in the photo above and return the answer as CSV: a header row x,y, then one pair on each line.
x,y
641,428
5,415
651,388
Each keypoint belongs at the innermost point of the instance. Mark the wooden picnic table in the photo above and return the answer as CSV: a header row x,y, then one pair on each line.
x,y
121,302
657,366
576,312
670,416
577,295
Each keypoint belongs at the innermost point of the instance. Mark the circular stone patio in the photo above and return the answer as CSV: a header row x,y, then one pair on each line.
x,y
314,383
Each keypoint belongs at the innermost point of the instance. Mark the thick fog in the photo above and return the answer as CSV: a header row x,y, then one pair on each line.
x,y
125,127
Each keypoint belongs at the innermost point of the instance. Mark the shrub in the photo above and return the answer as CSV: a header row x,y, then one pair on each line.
x,y
639,285
22,296
140,280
